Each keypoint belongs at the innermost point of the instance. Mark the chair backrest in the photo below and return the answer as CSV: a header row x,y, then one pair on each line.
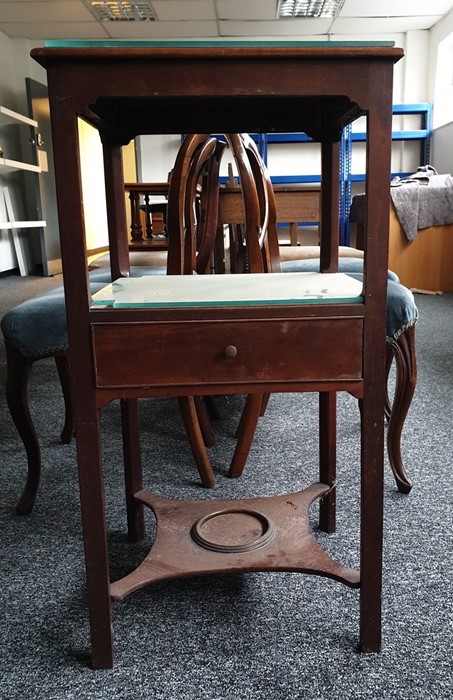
x,y
259,205
193,202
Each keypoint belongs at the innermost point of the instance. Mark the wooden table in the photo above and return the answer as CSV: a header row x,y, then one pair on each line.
x,y
224,89
294,203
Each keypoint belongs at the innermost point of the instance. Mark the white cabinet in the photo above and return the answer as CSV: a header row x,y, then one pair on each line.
x,y
7,116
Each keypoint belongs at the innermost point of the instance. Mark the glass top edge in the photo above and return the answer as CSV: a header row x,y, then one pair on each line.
x,y
212,44
98,305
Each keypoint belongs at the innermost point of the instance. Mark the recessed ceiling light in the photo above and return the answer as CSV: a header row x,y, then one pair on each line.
x,y
121,10
288,9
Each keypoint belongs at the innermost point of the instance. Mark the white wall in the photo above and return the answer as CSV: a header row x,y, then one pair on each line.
x,y
442,149
157,153
442,141
16,65
93,187
413,82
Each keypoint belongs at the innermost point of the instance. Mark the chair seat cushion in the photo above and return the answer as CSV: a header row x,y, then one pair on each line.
x,y
402,311
344,265
37,327
102,274
302,252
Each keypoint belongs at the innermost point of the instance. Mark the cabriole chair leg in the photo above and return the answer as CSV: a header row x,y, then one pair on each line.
x,y
403,352
17,373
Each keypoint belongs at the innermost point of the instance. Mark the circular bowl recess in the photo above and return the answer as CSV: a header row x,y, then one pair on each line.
x,y
233,530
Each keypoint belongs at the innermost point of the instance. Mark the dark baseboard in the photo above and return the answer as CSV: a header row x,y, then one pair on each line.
x,y
96,251
10,273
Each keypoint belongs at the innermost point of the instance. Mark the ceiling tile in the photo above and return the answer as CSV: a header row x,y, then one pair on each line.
x,y
397,37
395,8
251,9
184,9
277,28
161,30
72,11
360,26
54,30
208,19
61,2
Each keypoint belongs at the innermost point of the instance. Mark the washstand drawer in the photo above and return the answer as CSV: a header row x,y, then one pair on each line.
x,y
227,352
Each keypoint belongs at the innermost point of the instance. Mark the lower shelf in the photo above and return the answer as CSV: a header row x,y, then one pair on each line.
x,y
260,534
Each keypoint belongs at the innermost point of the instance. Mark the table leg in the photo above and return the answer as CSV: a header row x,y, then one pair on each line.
x,y
371,531
327,458
132,468
95,541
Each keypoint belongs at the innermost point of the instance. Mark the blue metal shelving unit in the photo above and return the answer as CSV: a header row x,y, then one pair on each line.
x,y
423,110
423,135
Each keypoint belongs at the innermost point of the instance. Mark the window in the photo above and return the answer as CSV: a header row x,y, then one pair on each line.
x,y
443,89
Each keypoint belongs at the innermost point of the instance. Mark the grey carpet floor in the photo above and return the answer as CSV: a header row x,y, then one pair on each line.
x,y
264,636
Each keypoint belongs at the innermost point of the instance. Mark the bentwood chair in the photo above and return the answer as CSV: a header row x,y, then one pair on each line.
x,y
261,255
193,203
192,216
32,331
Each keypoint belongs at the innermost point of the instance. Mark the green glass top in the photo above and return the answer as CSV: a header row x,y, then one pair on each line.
x,y
211,44
160,291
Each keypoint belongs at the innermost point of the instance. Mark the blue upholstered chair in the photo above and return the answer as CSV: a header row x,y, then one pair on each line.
x,y
402,316
34,330
401,312
37,328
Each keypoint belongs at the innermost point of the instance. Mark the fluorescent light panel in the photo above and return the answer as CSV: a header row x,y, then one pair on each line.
x,y
121,10
288,9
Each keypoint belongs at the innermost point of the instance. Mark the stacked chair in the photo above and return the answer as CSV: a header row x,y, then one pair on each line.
x,y
37,329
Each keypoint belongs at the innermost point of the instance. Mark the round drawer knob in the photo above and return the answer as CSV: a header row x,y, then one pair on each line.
x,y
230,351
